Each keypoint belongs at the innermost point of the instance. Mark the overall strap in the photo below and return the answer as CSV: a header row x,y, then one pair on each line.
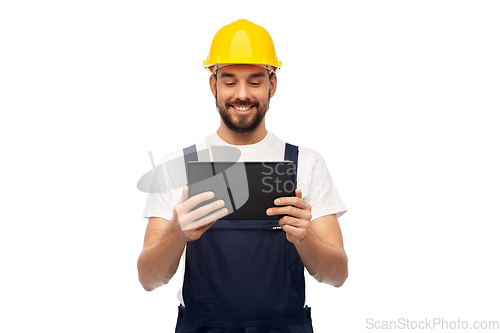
x,y
292,154
190,154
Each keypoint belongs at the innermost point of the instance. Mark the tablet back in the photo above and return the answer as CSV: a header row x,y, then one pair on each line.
x,y
247,188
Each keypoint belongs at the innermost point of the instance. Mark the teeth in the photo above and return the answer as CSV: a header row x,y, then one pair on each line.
x,y
242,108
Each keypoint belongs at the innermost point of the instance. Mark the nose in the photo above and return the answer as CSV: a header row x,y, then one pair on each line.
x,y
242,92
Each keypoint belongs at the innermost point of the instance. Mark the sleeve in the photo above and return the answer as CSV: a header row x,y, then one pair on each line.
x,y
159,205
166,188
322,192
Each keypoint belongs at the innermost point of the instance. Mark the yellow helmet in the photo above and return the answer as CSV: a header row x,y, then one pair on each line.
x,y
242,42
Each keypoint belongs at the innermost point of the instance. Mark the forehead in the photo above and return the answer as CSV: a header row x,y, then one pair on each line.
x,y
241,71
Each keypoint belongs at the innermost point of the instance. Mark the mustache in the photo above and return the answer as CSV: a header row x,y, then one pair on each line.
x,y
242,103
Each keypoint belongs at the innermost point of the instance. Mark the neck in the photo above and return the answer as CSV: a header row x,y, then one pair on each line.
x,y
241,138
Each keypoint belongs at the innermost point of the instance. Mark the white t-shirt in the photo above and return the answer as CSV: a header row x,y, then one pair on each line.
x,y
313,178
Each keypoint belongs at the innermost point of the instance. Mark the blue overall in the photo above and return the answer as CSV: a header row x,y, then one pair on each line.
x,y
243,277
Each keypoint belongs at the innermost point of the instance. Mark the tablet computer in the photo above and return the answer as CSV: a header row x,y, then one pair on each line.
x,y
247,188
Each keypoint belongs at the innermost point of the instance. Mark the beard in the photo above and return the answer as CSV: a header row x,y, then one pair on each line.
x,y
242,123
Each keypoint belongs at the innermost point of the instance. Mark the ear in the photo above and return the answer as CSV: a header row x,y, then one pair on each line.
x,y
212,83
273,85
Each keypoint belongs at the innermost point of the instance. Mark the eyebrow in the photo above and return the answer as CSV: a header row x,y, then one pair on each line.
x,y
257,75
223,75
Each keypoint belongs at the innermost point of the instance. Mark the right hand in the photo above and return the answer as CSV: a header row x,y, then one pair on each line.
x,y
185,217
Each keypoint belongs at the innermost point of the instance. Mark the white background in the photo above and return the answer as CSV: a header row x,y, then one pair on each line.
x,y
401,98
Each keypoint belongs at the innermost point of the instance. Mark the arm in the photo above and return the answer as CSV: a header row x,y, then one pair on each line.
x,y
160,256
322,251
319,243
165,240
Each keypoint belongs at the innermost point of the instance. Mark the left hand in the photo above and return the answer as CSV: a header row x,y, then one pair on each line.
x,y
296,225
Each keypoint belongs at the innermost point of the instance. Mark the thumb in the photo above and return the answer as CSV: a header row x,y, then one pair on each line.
x,y
184,196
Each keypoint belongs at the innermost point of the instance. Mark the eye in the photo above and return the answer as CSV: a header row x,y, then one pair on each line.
x,y
255,84
229,84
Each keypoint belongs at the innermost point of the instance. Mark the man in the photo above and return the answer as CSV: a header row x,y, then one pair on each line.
x,y
248,280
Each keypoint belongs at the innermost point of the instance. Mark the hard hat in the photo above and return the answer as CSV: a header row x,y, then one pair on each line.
x,y
242,42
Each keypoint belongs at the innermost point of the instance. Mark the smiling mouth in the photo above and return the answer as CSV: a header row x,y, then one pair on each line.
x,y
242,109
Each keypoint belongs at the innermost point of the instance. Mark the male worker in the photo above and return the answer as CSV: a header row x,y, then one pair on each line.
x,y
246,280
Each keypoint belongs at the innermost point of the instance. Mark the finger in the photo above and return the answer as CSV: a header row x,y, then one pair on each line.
x,y
292,201
290,229
186,204
204,210
289,210
292,222
298,194
294,234
195,234
201,230
197,199
205,227
205,220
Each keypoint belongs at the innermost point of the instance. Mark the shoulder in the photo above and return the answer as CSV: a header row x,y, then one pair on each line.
x,y
312,164
306,154
310,157
309,154
172,168
178,150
